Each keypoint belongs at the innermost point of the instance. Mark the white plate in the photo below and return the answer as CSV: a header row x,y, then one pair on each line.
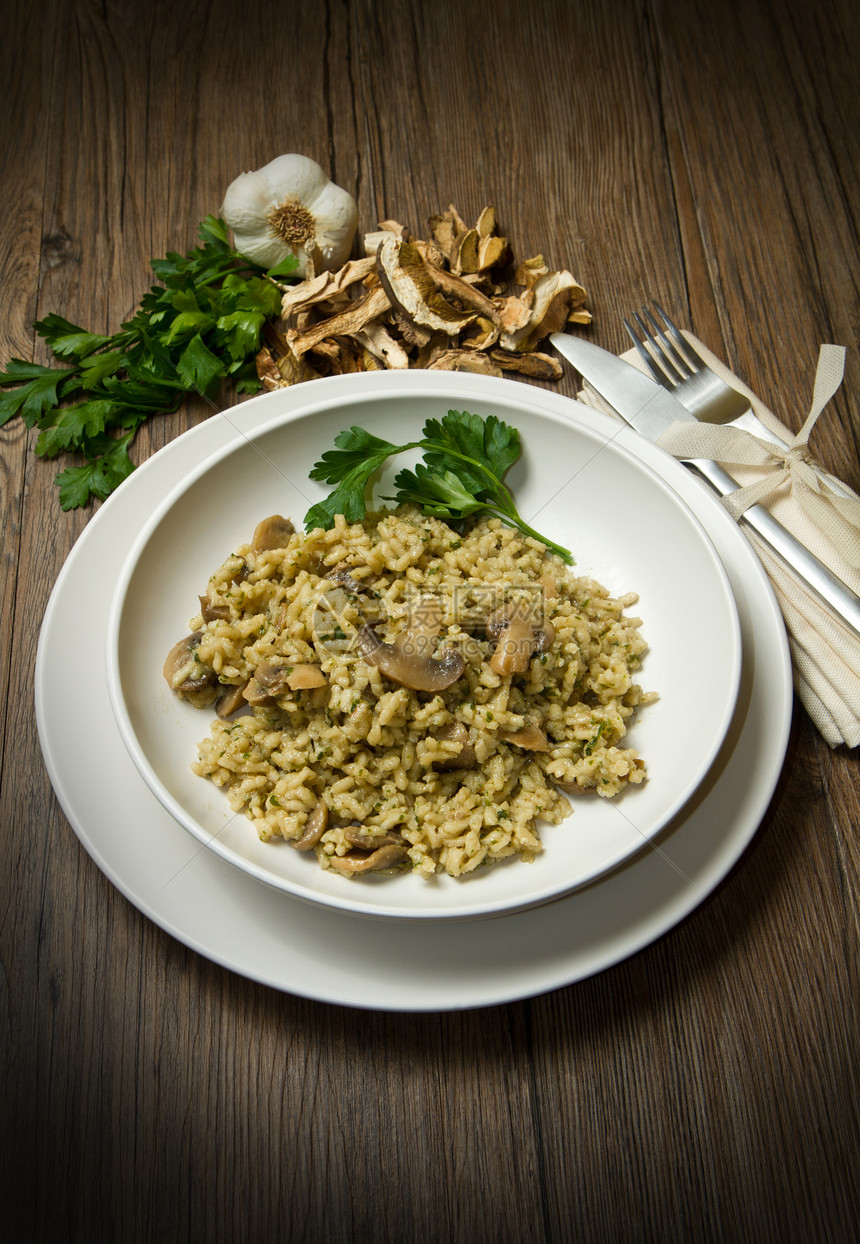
x,y
333,957
574,482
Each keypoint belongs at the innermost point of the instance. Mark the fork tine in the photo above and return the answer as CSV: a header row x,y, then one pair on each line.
x,y
658,374
663,356
683,367
696,359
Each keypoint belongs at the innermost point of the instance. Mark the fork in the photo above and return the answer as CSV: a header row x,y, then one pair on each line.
x,y
682,370
724,405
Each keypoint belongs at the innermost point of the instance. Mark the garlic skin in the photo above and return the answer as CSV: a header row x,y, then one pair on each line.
x,y
289,207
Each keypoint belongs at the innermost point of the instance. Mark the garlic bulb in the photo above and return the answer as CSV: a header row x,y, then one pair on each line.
x,y
289,207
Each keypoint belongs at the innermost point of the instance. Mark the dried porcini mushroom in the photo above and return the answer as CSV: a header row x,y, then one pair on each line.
x,y
406,279
443,303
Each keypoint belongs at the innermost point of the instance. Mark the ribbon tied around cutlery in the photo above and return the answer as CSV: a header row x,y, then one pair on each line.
x,y
838,517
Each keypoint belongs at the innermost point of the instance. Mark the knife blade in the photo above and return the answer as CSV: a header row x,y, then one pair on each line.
x,y
651,410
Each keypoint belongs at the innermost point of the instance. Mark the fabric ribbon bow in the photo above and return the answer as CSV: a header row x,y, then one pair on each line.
x,y
837,516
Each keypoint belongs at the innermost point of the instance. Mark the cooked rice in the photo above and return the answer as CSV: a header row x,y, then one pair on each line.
x,y
366,746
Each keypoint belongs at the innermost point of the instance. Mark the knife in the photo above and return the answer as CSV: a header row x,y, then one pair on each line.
x,y
651,410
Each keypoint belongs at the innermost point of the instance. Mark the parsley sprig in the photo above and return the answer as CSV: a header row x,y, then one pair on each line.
x,y
465,459
200,325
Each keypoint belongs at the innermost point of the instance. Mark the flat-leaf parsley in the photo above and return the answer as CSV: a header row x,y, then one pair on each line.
x,y
465,459
200,325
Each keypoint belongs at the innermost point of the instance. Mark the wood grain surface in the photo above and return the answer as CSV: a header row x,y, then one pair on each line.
x,y
705,1089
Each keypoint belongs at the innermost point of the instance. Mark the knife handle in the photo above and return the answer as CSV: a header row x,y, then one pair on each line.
x,y
796,556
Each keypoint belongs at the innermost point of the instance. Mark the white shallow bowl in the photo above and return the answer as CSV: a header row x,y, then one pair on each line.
x,y
574,483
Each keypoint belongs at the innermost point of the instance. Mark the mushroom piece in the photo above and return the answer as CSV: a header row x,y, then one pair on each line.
x,y
370,306
305,678
272,533
574,787
530,738
314,827
541,366
406,279
355,836
340,574
182,669
385,857
269,680
519,635
210,612
551,301
232,698
409,660
456,732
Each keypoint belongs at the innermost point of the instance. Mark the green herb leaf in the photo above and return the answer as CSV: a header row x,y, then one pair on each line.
x,y
488,442
39,391
65,338
73,425
198,366
97,478
440,493
461,475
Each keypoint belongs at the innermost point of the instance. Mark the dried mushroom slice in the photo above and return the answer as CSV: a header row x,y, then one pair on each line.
x,y
326,286
551,300
465,360
373,303
405,276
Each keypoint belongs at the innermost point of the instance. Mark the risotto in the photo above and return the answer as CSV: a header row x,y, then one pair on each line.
x,y
394,695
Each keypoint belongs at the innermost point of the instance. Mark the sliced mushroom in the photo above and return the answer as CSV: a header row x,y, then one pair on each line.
x,y
409,660
456,732
465,360
305,678
269,680
409,285
384,857
325,286
341,575
362,841
530,738
540,366
210,612
314,827
272,533
232,698
550,302
357,315
574,787
182,669
519,635
379,342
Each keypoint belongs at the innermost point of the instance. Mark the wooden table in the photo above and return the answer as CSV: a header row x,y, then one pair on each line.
x,y
707,1087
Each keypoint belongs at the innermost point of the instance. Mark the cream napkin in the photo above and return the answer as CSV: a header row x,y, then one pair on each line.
x,y
800,493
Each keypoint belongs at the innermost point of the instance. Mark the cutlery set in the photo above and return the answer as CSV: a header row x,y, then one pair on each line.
x,y
685,390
